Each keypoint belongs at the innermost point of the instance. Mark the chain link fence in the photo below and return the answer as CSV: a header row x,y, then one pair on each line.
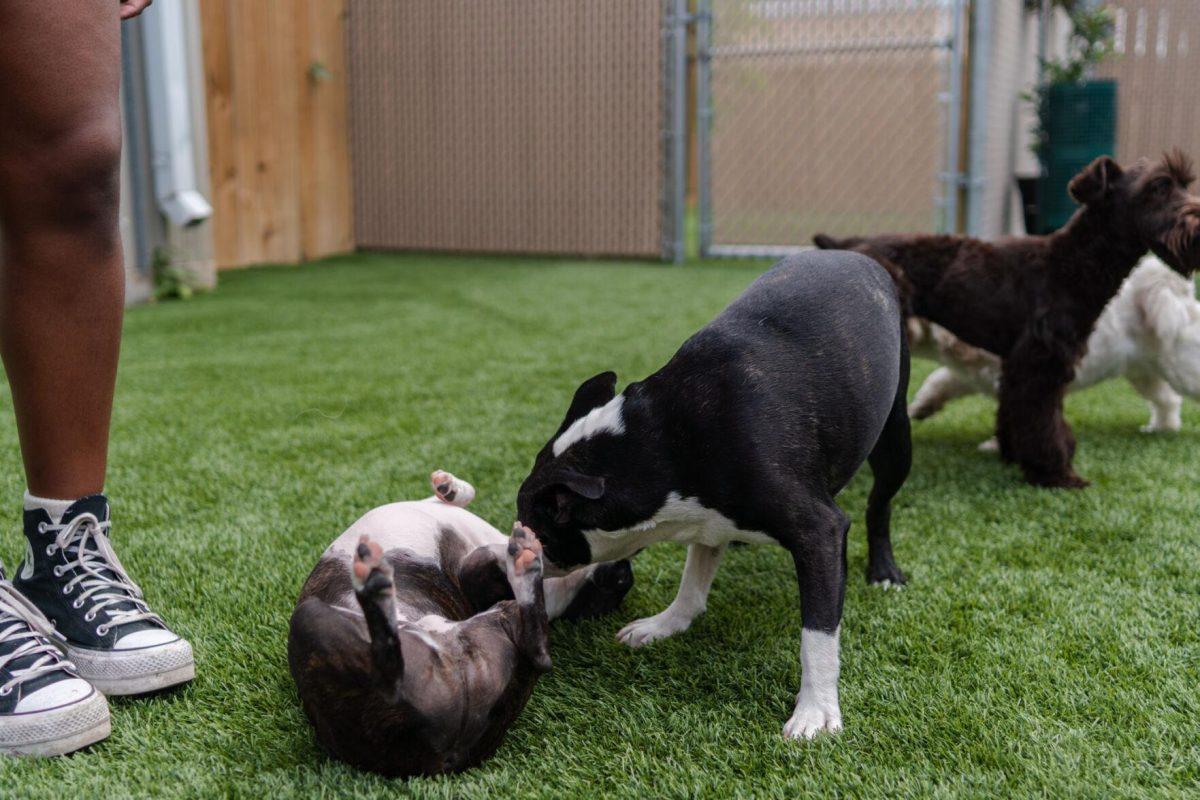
x,y
826,116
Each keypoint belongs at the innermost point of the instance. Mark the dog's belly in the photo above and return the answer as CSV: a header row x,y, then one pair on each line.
x,y
417,526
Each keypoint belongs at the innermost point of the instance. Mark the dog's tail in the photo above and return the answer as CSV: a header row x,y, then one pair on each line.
x,y
826,242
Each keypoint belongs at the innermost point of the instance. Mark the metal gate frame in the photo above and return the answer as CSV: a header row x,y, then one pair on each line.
x,y
951,176
676,20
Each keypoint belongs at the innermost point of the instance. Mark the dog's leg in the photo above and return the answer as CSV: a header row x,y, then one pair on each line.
x,y
1165,403
690,601
941,387
891,460
452,490
588,592
820,556
1030,426
376,593
523,563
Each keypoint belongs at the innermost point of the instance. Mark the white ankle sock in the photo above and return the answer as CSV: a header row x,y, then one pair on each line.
x,y
55,508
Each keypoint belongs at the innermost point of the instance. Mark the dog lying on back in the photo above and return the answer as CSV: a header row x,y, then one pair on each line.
x,y
1034,300
420,634
1149,333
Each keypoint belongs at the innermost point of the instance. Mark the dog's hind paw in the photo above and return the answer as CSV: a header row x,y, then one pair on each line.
x,y
810,719
991,445
452,490
370,572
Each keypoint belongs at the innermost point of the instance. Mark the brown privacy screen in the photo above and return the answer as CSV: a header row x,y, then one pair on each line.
x,y
827,115
521,126
1157,65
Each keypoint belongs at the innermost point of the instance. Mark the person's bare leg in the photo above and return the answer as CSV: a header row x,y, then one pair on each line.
x,y
62,279
61,301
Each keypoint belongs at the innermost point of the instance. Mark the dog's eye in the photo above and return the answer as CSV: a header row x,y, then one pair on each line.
x,y
1161,186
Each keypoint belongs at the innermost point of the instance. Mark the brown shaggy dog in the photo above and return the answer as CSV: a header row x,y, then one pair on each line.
x,y
1034,300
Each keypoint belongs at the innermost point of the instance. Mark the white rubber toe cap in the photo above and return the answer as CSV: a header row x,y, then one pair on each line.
x,y
59,693
150,637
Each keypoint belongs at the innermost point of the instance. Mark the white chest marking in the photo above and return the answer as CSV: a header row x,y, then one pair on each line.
x,y
608,418
681,519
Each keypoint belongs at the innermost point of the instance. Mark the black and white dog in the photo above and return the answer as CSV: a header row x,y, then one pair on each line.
x,y
746,435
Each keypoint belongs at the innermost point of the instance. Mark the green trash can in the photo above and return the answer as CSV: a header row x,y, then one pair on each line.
x,y
1080,124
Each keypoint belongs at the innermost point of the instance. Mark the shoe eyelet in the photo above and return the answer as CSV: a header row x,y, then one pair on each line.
x,y
89,616
69,589
78,603
101,630
41,527
6,691
58,572
51,549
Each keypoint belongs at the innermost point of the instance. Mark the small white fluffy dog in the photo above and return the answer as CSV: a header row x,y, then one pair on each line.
x,y
1149,332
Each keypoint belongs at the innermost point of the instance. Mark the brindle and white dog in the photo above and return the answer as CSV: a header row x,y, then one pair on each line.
x,y
420,634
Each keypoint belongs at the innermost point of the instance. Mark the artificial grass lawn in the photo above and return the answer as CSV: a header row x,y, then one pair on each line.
x,y
1047,642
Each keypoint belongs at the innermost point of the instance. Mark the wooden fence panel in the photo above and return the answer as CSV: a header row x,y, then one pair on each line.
x,y
276,111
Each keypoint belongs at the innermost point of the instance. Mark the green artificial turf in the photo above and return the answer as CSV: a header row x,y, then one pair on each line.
x,y
1048,642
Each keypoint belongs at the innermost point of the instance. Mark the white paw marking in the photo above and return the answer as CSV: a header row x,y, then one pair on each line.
x,y
989,446
810,719
817,706
642,632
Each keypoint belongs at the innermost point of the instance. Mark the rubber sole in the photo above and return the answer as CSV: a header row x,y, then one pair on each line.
x,y
58,731
133,672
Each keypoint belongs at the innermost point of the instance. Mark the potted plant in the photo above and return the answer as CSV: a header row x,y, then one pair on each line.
x,y
1076,113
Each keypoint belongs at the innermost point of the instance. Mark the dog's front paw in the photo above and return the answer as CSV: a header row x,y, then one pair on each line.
x,y
523,564
811,718
451,489
642,632
991,445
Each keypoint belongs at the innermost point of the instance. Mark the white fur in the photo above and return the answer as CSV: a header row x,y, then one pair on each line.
x,y
685,520
1149,333
817,703
681,519
689,603
608,418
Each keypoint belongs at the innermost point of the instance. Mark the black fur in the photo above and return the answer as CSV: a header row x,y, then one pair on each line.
x,y
764,415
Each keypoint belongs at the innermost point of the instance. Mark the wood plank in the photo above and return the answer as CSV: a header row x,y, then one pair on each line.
x,y
278,150
219,110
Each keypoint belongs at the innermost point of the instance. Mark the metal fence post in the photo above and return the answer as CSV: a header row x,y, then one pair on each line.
x,y
704,115
951,176
675,135
982,78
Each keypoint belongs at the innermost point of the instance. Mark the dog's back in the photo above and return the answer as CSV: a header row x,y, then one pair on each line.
x,y
813,351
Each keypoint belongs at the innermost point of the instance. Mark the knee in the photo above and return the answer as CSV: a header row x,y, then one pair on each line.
x,y
67,183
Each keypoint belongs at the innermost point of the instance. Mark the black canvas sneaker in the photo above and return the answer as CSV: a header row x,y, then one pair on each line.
x,y
45,708
72,575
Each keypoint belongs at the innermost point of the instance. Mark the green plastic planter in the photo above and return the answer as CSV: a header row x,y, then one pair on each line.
x,y
1080,125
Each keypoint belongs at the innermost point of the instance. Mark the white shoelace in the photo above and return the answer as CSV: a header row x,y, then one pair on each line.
x,y
92,563
20,621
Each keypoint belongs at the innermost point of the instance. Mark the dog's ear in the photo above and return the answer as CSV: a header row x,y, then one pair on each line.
x,y
592,393
569,487
1095,181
